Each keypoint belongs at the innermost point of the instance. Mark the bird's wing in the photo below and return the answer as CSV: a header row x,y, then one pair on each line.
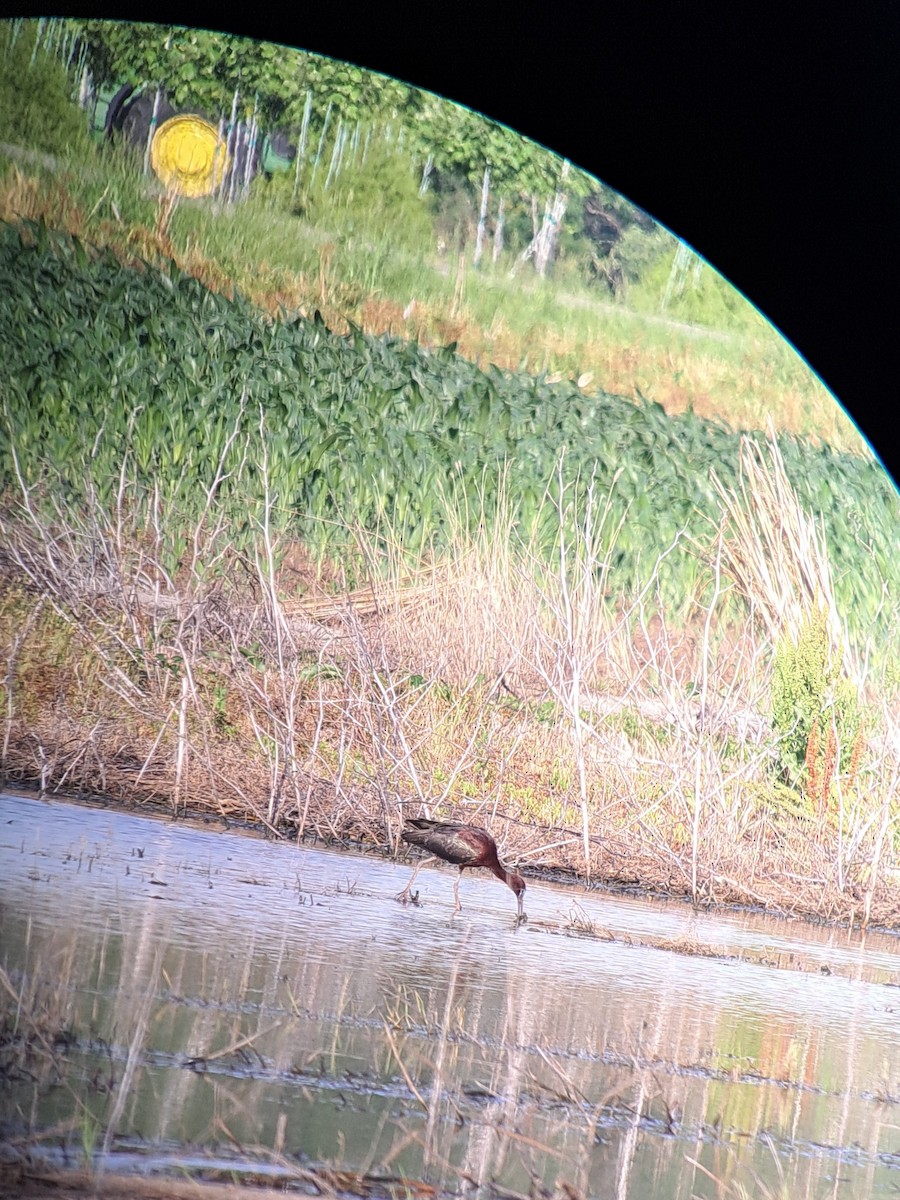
x,y
453,843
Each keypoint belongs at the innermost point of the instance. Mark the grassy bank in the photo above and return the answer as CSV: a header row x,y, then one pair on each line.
x,y
591,735
113,365
369,246
745,375
578,621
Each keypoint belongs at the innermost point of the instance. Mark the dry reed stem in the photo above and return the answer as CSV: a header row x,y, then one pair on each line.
x,y
777,554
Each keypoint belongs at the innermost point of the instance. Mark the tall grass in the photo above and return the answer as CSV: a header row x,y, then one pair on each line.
x,y
497,684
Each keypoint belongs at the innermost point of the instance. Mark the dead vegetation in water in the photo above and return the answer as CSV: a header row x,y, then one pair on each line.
x,y
36,1030
578,924
594,739
29,1180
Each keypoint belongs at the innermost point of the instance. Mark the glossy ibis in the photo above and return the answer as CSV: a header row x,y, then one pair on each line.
x,y
464,846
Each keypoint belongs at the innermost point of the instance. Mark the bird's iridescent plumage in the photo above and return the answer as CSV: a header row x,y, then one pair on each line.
x,y
464,846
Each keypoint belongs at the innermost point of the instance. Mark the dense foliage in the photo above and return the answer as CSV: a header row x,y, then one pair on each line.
x,y
36,106
813,703
332,112
204,68
98,359
318,101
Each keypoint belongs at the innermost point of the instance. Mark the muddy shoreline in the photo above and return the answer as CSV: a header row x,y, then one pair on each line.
x,y
197,817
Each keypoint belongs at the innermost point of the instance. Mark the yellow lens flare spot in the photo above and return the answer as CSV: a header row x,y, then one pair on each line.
x,y
188,155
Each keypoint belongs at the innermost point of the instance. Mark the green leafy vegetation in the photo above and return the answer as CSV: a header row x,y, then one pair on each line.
x,y
289,474
104,361
36,97
815,709
364,145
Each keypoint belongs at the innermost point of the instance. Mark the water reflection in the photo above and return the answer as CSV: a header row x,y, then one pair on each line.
x,y
223,992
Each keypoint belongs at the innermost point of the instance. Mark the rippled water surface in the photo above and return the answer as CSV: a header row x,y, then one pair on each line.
x,y
210,997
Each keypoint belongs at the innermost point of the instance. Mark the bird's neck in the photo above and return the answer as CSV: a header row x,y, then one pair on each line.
x,y
503,874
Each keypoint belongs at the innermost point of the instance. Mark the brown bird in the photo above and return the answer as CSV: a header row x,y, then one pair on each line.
x,y
464,846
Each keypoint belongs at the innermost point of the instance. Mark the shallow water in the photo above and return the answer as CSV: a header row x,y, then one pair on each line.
x,y
233,1001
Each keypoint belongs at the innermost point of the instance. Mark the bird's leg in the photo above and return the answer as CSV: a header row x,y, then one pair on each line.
x,y
404,895
456,893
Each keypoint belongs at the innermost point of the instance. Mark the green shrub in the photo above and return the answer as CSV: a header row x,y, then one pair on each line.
x,y
368,199
696,293
36,108
815,709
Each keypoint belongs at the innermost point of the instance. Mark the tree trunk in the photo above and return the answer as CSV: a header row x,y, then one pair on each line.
x,y
239,145
482,216
498,232
37,40
675,282
152,129
251,150
532,245
545,239
336,155
229,146
321,143
84,89
301,145
548,238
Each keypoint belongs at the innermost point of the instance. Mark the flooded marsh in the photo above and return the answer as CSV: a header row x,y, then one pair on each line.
x,y
180,998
